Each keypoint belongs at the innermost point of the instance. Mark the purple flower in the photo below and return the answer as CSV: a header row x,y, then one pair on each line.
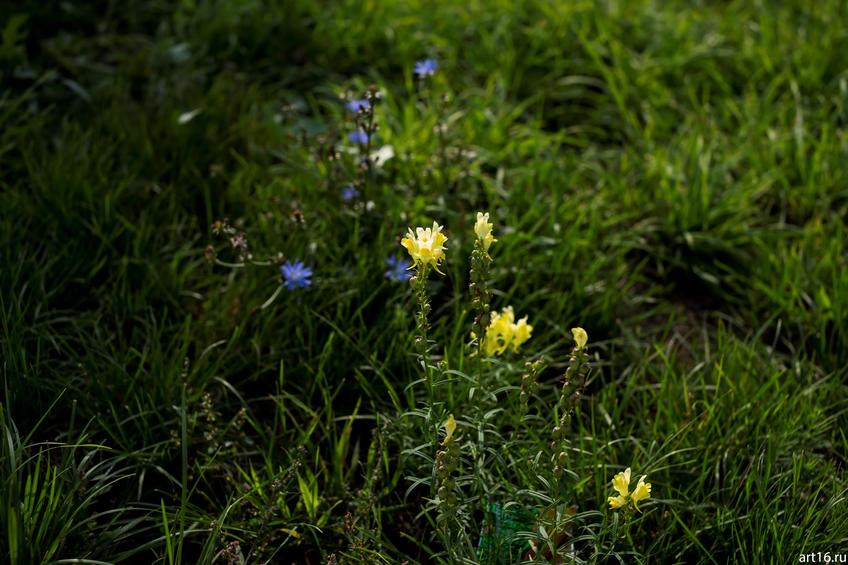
x,y
425,68
296,275
359,137
357,106
398,269
349,193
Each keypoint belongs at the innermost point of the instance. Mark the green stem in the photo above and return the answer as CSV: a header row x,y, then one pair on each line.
x,y
422,342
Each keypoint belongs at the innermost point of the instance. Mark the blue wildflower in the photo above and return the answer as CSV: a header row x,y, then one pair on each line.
x,y
359,137
398,269
426,68
360,105
349,193
296,275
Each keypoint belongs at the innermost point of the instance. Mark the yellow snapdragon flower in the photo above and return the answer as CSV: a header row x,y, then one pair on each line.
x,y
521,331
499,332
621,484
450,428
504,331
641,492
580,337
426,246
483,229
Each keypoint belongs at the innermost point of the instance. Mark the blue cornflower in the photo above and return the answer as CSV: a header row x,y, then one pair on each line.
x,y
296,275
349,193
426,68
360,105
359,137
398,269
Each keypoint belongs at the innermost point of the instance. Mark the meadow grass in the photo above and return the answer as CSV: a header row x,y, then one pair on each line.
x,y
669,176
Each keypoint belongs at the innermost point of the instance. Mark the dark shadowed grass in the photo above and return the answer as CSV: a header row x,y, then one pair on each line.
x,y
669,177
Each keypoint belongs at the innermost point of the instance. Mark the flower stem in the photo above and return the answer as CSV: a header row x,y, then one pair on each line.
x,y
422,326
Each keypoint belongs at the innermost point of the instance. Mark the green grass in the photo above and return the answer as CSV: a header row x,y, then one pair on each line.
x,y
669,176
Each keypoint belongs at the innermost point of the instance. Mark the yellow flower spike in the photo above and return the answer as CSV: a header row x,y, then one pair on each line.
x,y
621,484
426,246
483,229
580,337
642,491
503,332
450,428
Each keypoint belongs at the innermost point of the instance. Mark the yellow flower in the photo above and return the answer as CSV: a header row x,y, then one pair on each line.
x,y
643,490
450,427
580,337
521,333
504,332
499,332
621,484
483,229
426,246
617,501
